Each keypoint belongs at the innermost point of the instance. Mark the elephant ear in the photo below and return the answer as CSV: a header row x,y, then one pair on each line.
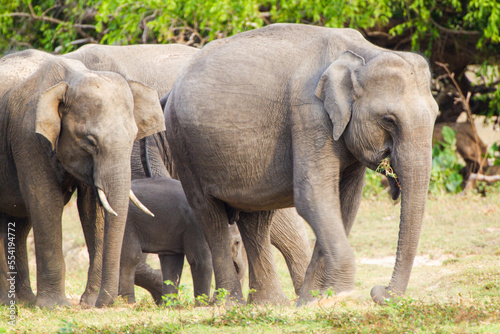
x,y
147,110
338,88
48,118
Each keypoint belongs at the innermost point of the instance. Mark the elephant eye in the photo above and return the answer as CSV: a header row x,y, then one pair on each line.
x,y
90,144
389,120
92,141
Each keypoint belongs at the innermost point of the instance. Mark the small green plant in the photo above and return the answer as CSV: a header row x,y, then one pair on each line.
x,y
445,173
183,297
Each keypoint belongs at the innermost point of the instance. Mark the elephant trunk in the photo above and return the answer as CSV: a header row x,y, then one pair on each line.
x,y
116,186
413,175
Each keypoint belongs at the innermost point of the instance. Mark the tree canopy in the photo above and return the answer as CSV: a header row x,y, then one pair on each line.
x,y
457,33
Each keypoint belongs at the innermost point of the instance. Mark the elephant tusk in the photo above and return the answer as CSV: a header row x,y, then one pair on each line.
x,y
105,203
138,203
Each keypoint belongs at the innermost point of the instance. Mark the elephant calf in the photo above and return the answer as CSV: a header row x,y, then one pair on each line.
x,y
172,234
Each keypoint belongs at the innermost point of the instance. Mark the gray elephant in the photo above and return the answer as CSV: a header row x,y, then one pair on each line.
x,y
292,115
172,234
158,67
65,127
288,233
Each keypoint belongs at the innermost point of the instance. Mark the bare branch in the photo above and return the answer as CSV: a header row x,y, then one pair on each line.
x,y
454,32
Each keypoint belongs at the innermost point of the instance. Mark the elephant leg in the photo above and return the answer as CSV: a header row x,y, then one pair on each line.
x,y
317,199
92,220
4,271
263,276
171,268
289,236
200,262
130,258
212,217
149,279
24,293
351,190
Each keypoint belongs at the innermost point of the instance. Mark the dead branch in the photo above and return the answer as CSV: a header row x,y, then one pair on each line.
x,y
475,177
465,102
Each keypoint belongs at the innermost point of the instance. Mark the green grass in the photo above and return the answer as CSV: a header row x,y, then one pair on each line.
x,y
454,287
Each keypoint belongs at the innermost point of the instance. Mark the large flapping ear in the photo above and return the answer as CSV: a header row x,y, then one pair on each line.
x,y
48,118
147,110
336,89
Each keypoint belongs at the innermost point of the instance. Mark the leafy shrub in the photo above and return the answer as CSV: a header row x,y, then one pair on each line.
x,y
445,173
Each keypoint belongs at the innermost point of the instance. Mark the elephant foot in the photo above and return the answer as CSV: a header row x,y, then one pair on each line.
x,y
228,300
312,296
381,294
51,302
267,297
88,300
104,300
27,297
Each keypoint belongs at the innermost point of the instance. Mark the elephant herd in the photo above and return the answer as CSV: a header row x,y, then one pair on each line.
x,y
252,125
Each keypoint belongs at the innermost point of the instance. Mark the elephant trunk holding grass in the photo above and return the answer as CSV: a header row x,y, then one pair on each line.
x,y
88,121
292,115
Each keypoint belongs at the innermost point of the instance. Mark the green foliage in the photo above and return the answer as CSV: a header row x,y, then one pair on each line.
x,y
494,154
49,23
445,173
183,297
373,184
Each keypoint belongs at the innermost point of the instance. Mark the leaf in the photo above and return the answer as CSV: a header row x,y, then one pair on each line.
x,y
448,135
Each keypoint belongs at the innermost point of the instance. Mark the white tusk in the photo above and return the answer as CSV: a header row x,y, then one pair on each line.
x,y
104,202
138,203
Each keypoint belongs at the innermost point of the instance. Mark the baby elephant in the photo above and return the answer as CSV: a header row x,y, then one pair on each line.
x,y
172,234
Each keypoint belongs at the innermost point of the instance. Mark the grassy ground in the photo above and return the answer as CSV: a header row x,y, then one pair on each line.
x,y
454,288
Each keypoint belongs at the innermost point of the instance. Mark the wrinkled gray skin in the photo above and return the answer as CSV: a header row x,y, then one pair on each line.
x,y
291,115
288,232
158,67
65,127
172,234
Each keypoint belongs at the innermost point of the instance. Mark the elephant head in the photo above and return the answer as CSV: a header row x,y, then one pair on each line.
x,y
383,107
91,120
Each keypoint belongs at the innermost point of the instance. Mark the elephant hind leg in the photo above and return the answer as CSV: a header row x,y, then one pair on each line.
x,y
263,276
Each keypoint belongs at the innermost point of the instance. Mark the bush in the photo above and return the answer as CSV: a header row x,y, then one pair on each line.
x,y
445,173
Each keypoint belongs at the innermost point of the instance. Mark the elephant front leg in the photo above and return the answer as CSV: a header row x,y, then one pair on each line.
x,y
4,276
263,276
51,269
317,163
22,227
149,279
212,217
92,220
351,191
171,267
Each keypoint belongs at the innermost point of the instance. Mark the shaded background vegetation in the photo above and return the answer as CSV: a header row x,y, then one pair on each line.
x,y
464,35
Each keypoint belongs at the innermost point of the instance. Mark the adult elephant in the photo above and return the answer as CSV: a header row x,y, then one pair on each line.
x,y
65,127
291,115
158,67
287,233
